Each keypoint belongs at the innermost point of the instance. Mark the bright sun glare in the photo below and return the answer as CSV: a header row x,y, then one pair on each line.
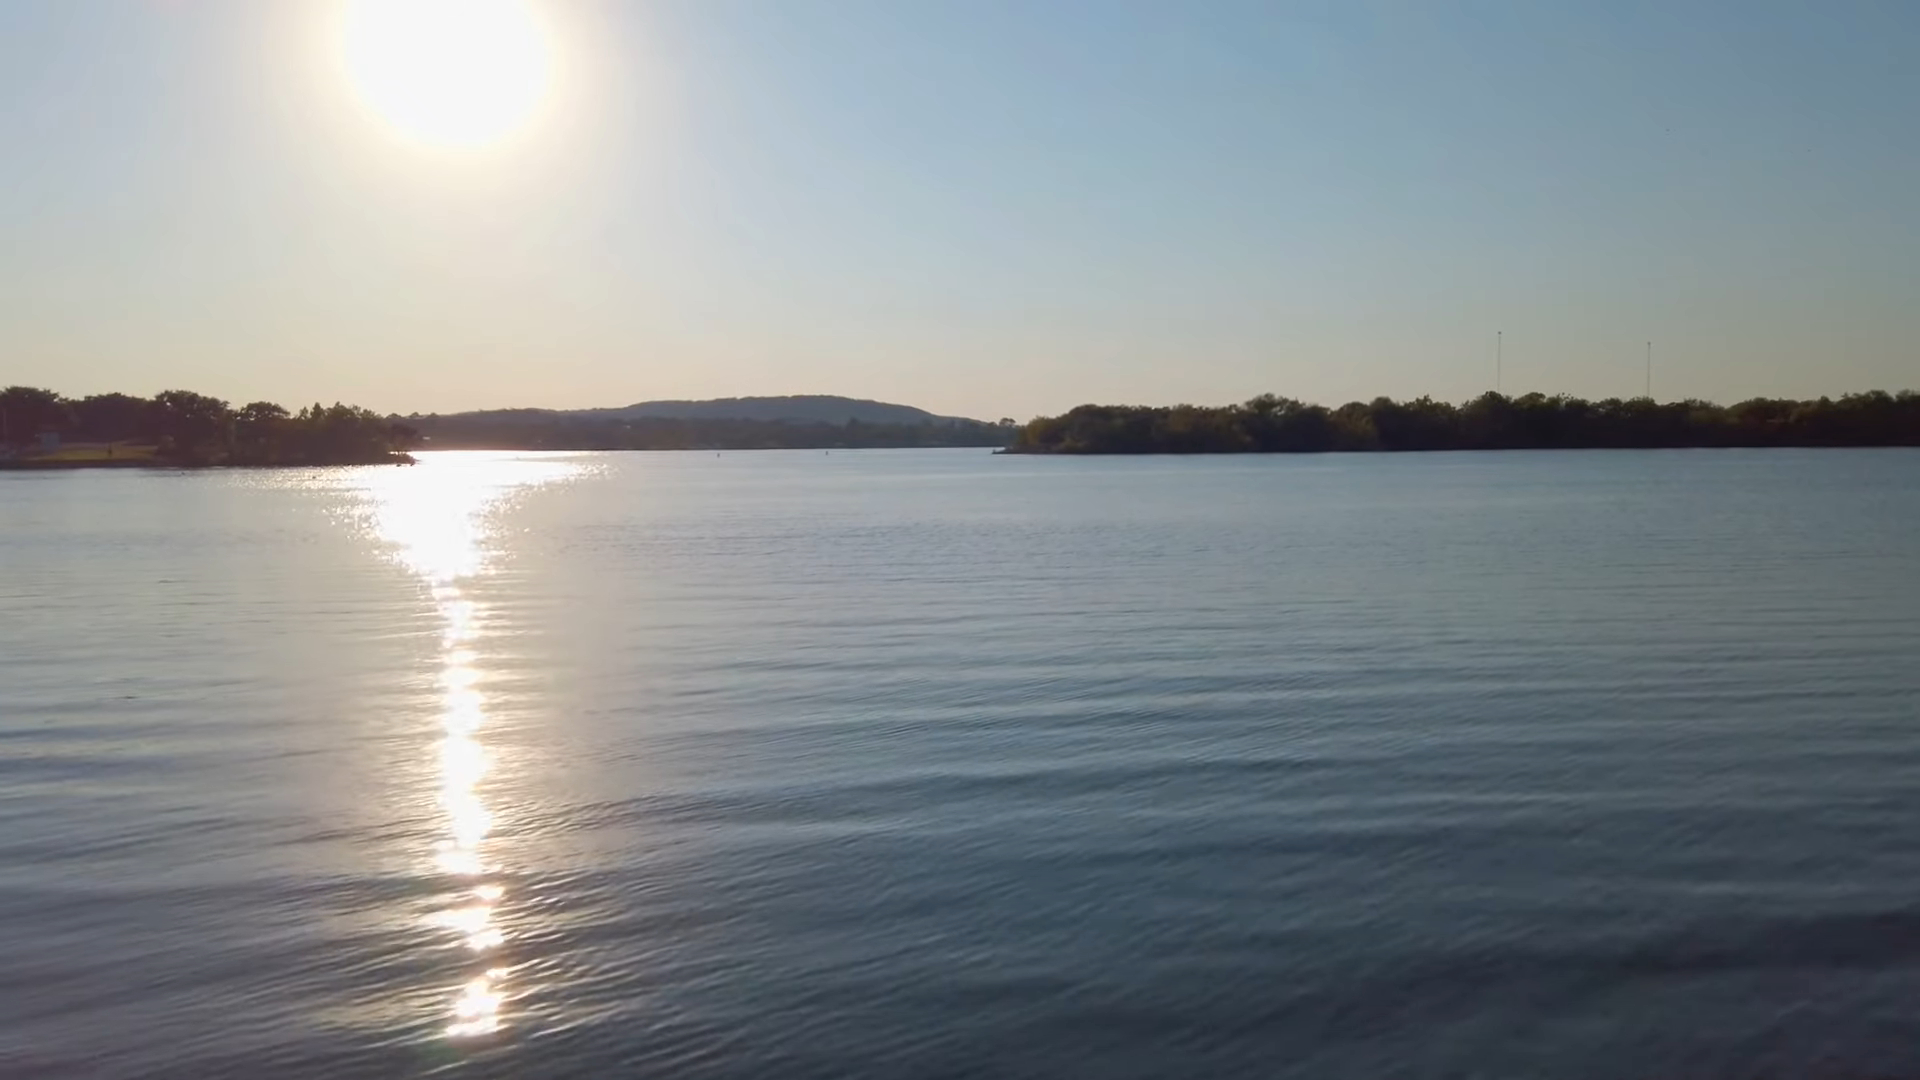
x,y
456,73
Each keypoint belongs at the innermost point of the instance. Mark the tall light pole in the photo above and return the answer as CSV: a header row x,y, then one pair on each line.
x,y
1499,358
1649,371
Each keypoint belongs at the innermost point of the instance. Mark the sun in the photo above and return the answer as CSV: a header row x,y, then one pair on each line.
x,y
454,73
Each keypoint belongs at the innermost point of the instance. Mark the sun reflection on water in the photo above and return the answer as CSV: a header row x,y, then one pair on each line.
x,y
437,516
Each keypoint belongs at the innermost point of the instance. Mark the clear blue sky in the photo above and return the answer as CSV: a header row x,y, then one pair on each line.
x,y
979,207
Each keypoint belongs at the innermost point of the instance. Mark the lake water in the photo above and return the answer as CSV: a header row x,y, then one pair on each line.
x,y
941,764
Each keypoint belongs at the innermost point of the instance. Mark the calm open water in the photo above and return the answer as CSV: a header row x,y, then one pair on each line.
x,y
940,764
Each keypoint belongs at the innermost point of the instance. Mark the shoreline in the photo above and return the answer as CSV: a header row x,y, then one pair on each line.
x,y
1397,451
58,464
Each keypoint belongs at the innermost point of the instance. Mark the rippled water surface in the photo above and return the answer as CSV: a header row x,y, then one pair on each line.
x,y
934,763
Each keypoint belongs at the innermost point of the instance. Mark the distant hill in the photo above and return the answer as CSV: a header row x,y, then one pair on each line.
x,y
797,408
793,409
809,420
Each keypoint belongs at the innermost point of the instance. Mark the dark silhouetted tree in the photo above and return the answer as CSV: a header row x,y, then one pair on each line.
x,y
26,411
114,418
192,427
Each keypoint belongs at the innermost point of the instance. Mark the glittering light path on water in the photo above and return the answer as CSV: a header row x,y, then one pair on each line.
x,y
436,516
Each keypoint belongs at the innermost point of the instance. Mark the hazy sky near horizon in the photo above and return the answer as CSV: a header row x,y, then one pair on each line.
x,y
983,207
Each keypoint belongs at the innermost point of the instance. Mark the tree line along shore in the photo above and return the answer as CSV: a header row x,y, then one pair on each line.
x,y
1271,424
40,428
534,430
